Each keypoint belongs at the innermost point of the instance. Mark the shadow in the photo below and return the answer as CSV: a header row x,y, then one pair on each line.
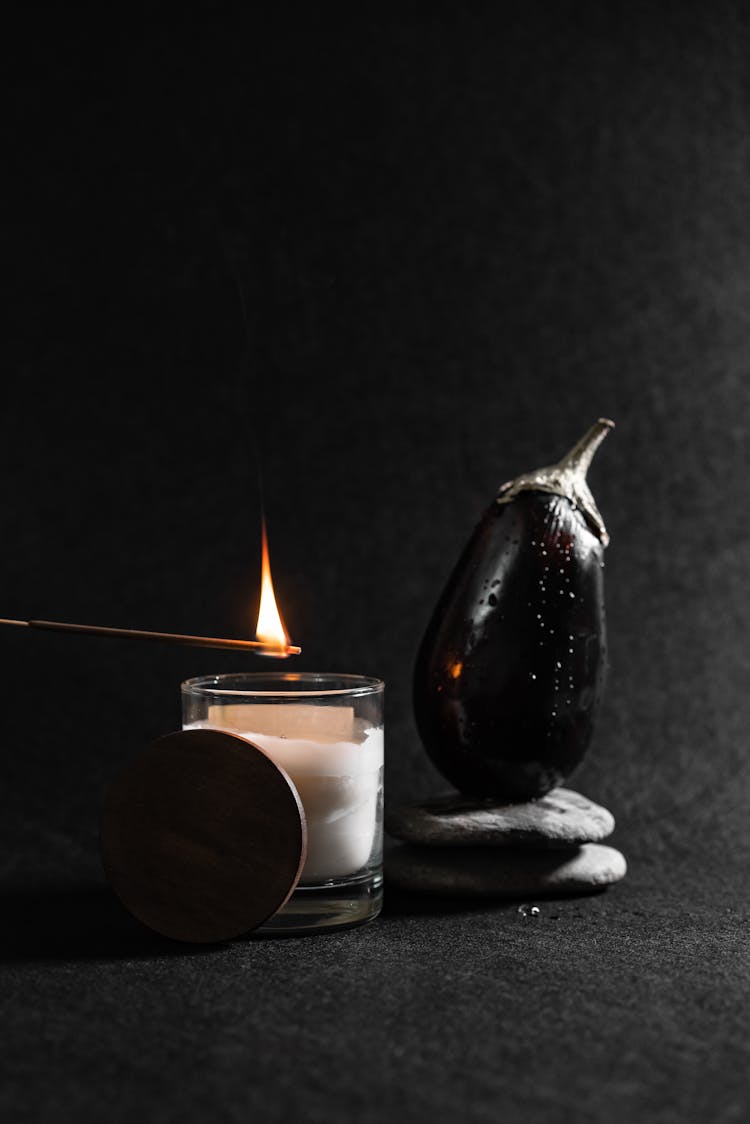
x,y
409,903
78,922
87,922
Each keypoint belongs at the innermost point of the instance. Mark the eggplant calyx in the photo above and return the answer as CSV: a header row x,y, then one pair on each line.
x,y
567,478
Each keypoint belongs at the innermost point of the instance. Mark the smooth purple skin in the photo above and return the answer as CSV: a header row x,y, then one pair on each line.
x,y
510,673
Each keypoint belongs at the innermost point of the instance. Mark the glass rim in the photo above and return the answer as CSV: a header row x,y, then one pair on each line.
x,y
228,685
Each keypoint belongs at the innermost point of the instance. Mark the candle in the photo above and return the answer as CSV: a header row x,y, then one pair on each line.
x,y
335,762
326,732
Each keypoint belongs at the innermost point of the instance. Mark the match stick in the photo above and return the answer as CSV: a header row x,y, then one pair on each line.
x,y
256,646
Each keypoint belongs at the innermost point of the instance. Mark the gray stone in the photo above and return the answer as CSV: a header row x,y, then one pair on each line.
x,y
562,818
487,872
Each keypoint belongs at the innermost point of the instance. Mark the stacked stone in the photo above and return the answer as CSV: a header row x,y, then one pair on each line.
x,y
457,846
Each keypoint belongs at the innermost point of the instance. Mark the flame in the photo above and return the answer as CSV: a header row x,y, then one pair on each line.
x,y
270,628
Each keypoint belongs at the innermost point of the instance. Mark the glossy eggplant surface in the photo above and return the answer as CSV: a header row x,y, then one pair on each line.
x,y
510,674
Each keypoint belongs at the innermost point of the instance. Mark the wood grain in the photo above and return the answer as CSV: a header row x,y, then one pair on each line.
x,y
203,837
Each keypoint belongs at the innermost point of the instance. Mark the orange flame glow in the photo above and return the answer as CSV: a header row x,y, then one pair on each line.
x,y
270,628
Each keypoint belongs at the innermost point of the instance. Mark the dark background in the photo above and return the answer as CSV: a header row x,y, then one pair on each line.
x,y
460,238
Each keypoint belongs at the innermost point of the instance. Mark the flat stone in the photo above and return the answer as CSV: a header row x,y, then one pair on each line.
x,y
562,818
487,872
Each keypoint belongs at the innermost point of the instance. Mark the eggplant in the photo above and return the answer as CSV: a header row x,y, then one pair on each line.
x,y
510,674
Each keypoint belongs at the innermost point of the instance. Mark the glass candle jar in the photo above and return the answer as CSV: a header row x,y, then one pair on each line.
x,y
326,732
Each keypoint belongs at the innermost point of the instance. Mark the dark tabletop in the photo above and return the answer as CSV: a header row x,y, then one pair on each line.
x,y
459,237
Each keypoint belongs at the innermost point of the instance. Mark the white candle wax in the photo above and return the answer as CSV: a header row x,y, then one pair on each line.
x,y
335,762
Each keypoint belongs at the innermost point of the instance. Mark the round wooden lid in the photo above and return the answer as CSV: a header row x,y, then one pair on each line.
x,y
203,837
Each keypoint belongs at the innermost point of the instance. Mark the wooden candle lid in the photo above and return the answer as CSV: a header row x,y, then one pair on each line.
x,y
203,837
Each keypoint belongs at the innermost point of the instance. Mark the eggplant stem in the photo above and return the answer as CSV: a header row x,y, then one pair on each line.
x,y
581,455
567,478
